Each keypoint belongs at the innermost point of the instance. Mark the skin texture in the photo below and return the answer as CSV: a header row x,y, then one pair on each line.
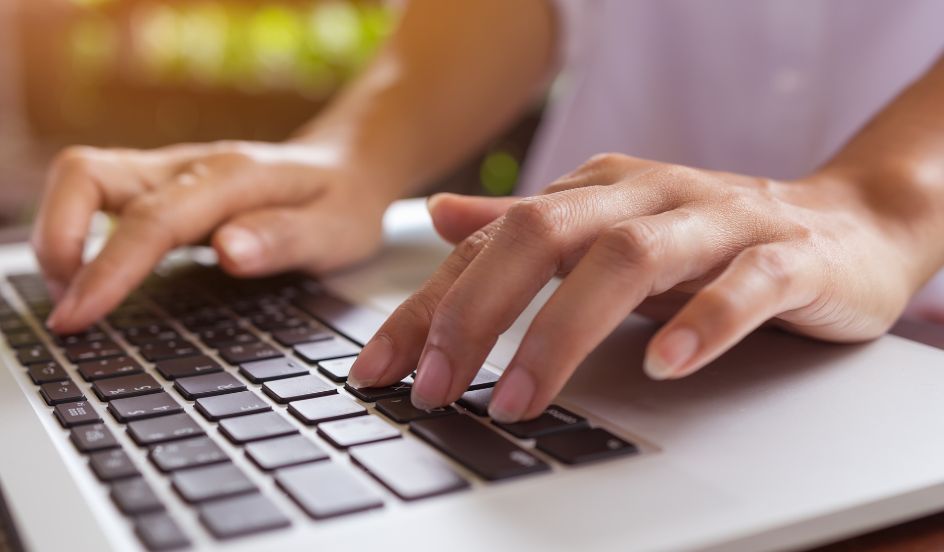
x,y
833,256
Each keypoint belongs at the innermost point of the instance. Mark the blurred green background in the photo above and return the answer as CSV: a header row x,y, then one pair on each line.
x,y
144,73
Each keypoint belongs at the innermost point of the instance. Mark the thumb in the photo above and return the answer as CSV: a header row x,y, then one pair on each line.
x,y
456,216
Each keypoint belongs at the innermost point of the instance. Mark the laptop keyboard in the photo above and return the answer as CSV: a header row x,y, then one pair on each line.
x,y
266,362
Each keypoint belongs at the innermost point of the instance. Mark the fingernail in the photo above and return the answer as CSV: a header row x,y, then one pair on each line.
x,y
371,363
671,353
433,379
432,201
242,246
62,311
513,399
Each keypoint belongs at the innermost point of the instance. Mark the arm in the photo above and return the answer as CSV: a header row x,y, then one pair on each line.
x,y
834,256
452,74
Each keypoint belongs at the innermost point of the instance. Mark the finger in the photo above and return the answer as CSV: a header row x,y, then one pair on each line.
x,y
536,239
152,224
627,263
761,283
602,170
455,217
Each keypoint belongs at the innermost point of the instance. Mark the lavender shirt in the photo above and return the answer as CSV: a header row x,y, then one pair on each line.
x,y
763,87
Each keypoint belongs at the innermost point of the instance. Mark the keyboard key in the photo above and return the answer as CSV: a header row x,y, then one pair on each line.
x,y
95,350
552,420
409,469
221,337
191,453
207,385
254,427
33,355
232,404
585,445
61,391
165,428
357,431
88,336
47,372
296,389
325,489
276,368
134,496
242,515
147,406
476,401
372,394
358,323
75,413
325,409
110,465
477,447
273,454
301,334
240,354
93,438
139,335
13,324
401,410
109,368
156,351
211,482
337,369
24,338
483,378
160,532
326,349
125,386
187,366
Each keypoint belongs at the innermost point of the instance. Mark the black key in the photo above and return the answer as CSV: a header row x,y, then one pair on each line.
x,y
585,445
296,389
358,323
371,394
207,385
160,532
88,336
156,351
325,490
325,409
76,413
61,391
254,427
301,334
477,447
240,354
552,420
48,372
483,378
179,455
401,410
274,321
221,337
93,438
273,454
357,431
110,465
33,355
95,350
337,369
188,366
149,332
211,482
134,496
165,428
409,469
126,386
276,368
147,406
109,368
23,338
327,349
13,324
476,401
242,515
232,404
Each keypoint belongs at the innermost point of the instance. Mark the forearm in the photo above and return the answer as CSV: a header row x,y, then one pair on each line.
x,y
452,74
896,163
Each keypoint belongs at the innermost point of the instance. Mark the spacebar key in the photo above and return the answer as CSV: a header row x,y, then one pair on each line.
x,y
477,447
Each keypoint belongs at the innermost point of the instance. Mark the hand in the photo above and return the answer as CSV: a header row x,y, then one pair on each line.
x,y
265,208
821,257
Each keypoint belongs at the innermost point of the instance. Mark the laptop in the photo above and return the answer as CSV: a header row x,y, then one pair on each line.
x,y
209,413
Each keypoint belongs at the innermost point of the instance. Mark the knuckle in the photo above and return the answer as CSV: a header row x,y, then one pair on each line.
x,y
603,161
535,216
773,264
719,303
631,245
73,159
469,248
416,311
149,209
